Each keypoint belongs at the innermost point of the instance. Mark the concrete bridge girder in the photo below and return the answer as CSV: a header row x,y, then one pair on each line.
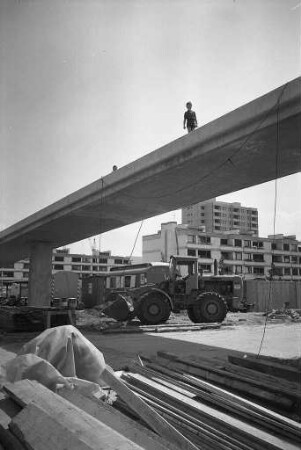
x,y
256,143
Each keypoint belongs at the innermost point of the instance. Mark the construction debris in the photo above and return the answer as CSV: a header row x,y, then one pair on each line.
x,y
163,402
284,314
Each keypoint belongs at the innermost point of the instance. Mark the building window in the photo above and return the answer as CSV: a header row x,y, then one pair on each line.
x,y
258,258
8,274
295,271
75,267
247,243
76,259
127,281
258,244
286,247
103,260
224,241
287,270
277,258
59,258
204,253
191,238
58,267
258,271
286,258
118,261
191,252
204,268
86,268
95,268
238,256
238,269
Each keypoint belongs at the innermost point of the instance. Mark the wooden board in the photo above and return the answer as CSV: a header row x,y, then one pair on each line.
x,y
151,417
64,415
118,421
252,388
272,368
237,426
225,400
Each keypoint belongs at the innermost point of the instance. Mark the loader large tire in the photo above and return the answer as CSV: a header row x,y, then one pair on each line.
x,y
209,307
153,308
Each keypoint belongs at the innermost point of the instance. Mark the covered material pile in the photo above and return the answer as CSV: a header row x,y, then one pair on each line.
x,y
56,395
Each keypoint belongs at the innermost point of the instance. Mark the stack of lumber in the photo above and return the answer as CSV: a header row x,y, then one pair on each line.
x,y
171,403
201,400
277,393
33,417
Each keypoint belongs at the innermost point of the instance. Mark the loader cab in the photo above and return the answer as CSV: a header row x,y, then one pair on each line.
x,y
183,274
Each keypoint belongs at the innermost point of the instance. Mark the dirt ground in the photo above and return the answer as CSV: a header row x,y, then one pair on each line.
x,y
240,333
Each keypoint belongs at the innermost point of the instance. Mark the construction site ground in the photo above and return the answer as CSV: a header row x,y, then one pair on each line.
x,y
241,333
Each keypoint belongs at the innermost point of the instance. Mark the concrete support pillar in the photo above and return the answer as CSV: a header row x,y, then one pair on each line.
x,y
40,269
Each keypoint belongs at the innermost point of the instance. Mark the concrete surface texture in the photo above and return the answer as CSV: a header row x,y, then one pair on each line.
x,y
233,152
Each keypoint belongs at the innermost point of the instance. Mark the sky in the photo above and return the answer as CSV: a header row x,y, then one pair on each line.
x,y
88,84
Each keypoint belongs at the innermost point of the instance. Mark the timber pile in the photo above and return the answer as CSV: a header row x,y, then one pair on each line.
x,y
209,415
170,403
33,417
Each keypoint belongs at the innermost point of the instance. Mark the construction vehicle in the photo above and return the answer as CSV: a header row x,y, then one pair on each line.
x,y
152,303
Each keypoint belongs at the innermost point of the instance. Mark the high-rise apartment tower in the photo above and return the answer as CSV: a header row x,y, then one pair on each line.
x,y
216,216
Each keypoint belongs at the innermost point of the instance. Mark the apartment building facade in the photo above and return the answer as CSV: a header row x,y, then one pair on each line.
x,y
235,253
217,216
62,259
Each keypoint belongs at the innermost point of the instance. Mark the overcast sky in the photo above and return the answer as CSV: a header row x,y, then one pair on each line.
x,y
88,84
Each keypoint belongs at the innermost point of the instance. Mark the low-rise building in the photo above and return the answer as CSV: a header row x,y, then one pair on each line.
x,y
233,253
62,259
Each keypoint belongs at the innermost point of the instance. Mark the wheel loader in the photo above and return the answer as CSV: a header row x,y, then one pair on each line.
x,y
153,303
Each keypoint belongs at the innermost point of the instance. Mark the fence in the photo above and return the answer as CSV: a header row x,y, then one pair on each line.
x,y
268,295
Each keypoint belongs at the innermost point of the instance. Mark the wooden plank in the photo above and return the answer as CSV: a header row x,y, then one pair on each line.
x,y
201,428
272,368
236,425
223,430
224,399
252,388
40,431
151,417
92,431
264,381
116,420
